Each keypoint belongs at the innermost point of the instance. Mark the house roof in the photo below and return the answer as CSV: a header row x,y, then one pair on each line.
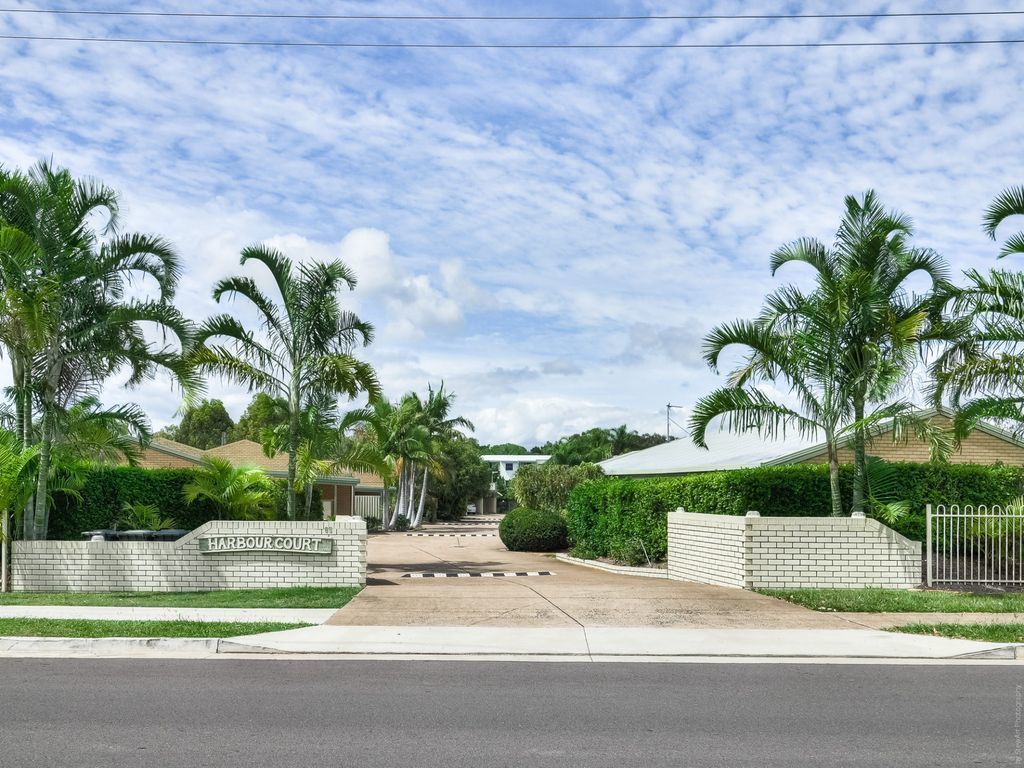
x,y
730,451
725,451
176,449
250,453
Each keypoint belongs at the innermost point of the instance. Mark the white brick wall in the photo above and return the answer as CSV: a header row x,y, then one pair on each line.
x,y
706,548
790,552
112,566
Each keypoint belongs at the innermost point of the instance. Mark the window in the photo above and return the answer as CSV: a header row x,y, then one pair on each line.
x,y
508,466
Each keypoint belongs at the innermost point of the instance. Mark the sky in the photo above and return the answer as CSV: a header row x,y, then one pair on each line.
x,y
549,232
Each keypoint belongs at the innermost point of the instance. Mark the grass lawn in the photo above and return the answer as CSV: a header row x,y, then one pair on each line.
x,y
899,601
990,633
284,597
83,628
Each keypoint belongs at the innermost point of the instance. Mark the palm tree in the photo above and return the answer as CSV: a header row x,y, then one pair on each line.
x,y
307,342
863,277
802,343
91,433
1009,202
21,320
74,326
240,493
325,446
395,439
803,358
435,415
981,370
16,482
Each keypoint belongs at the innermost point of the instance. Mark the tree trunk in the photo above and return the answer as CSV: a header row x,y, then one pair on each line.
x,y
21,396
5,552
859,458
410,483
37,529
400,498
27,405
833,477
293,441
411,501
18,377
423,498
309,502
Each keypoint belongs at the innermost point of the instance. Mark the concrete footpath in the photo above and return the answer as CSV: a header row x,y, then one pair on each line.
x,y
126,613
614,642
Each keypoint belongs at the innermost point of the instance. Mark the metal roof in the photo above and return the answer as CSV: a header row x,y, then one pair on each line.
x,y
731,451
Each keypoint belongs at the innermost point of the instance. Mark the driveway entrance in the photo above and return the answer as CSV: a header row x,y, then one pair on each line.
x,y
398,593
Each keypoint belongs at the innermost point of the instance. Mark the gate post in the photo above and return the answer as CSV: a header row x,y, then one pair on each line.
x,y
928,544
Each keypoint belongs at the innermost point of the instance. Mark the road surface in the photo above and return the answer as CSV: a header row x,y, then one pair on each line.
x,y
305,713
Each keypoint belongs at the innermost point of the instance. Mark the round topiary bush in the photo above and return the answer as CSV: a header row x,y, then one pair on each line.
x,y
531,530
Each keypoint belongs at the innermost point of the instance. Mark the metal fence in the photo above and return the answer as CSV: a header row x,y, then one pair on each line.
x,y
368,506
974,544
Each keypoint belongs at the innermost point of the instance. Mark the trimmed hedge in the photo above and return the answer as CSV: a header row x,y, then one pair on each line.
x,y
547,486
610,516
106,489
533,530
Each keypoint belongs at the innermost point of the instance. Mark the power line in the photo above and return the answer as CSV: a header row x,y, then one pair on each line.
x,y
565,46
410,17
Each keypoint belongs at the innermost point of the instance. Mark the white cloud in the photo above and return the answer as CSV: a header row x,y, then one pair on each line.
x,y
542,211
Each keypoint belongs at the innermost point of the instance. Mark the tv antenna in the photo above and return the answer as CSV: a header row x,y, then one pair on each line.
x,y
669,421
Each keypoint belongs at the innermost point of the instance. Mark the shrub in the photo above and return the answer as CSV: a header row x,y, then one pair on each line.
x,y
372,524
144,517
547,486
603,516
402,523
533,530
106,490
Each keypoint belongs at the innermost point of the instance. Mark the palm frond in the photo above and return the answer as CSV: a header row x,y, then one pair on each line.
x,y
743,410
1009,202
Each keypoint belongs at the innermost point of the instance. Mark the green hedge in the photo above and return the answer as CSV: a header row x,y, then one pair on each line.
x,y
106,489
533,530
547,486
612,515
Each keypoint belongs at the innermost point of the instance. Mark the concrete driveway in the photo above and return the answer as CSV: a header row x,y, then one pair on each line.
x,y
574,596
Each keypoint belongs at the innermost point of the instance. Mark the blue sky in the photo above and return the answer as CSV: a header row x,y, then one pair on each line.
x,y
551,232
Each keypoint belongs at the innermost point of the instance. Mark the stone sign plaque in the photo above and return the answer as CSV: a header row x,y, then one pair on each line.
x,y
316,545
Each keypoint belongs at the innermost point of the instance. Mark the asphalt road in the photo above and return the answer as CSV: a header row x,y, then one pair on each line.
x,y
64,712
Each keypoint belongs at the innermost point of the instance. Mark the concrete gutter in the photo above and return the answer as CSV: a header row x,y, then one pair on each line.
x,y
110,647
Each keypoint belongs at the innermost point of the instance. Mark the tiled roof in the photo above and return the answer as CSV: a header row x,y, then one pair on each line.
x,y
366,479
250,453
175,447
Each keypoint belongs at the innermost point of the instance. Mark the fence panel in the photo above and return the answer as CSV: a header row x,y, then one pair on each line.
x,y
368,506
974,544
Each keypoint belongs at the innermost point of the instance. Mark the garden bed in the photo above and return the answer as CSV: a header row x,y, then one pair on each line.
x,y
605,564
